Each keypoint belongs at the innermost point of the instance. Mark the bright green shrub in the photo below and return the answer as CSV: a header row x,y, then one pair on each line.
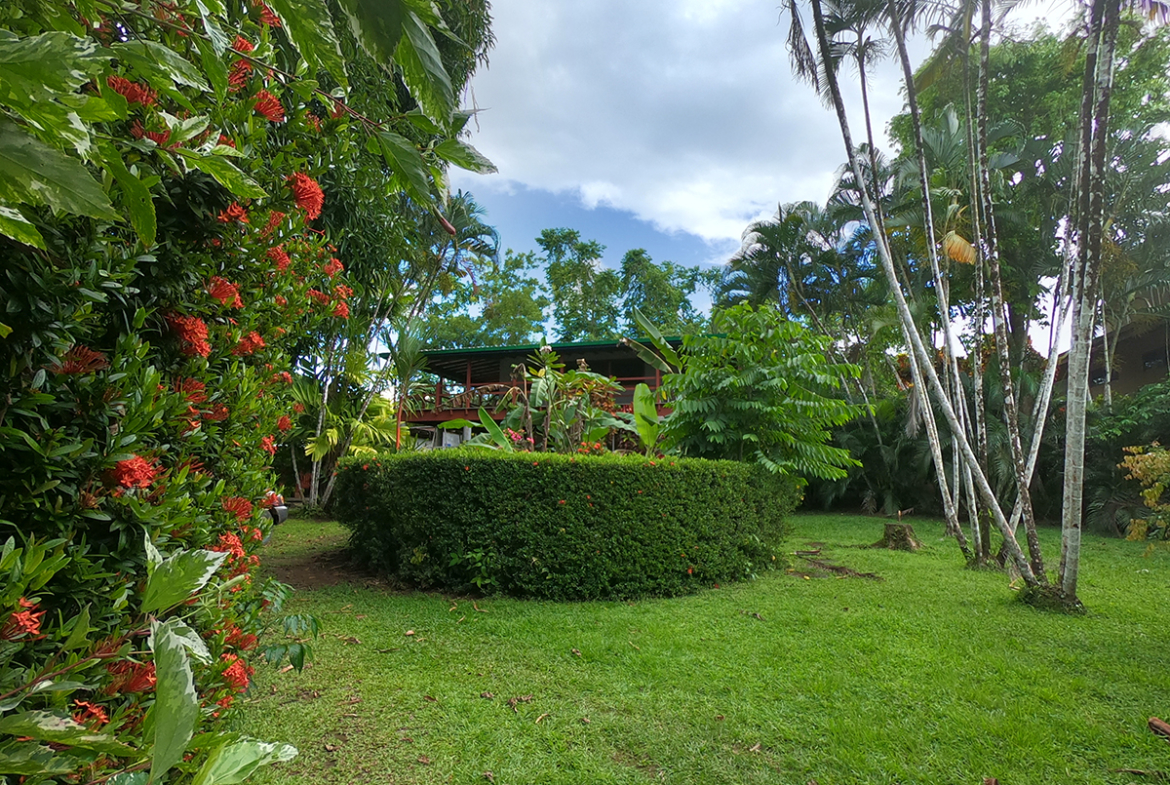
x,y
563,527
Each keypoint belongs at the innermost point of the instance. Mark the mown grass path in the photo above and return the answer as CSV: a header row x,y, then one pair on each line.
x,y
931,675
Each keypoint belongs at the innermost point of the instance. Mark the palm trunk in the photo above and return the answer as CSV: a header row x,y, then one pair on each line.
x,y
998,305
1097,87
910,330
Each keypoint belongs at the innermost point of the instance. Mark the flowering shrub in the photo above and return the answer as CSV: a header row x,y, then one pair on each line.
x,y
560,526
1150,466
157,251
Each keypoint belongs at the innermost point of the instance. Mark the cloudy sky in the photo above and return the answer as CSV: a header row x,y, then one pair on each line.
x,y
663,124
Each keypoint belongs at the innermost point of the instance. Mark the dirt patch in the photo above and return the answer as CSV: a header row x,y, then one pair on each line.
x,y
838,569
314,570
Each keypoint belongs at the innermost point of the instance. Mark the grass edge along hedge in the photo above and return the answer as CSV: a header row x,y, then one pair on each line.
x,y
563,527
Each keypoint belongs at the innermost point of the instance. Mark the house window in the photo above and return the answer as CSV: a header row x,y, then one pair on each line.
x,y
1152,360
1097,377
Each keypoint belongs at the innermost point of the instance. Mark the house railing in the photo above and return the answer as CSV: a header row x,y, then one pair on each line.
x,y
497,395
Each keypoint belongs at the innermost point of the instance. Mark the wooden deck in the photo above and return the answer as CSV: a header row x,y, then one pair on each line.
x,y
443,405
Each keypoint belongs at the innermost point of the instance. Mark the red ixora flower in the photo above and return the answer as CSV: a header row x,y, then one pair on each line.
x,y
249,344
239,75
131,677
234,212
342,291
308,194
284,423
160,138
240,639
237,672
218,413
268,106
278,255
268,445
135,472
267,17
274,220
224,140
89,712
333,267
192,334
225,291
192,390
314,122
341,310
242,44
24,622
299,408
82,359
242,509
280,300
132,91
284,377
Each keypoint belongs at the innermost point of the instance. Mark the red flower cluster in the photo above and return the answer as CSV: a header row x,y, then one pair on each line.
x,y
82,359
278,255
192,390
268,445
225,291
249,344
234,212
242,44
226,141
274,220
24,622
267,17
132,91
238,672
240,639
284,423
341,310
131,677
158,137
89,712
136,472
299,408
314,121
269,107
242,509
318,297
308,194
284,377
238,76
333,267
192,334
343,291
218,413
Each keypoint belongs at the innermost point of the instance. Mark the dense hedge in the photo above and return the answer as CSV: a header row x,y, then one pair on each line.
x,y
562,527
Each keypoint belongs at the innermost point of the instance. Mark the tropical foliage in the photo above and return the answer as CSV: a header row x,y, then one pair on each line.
x,y
167,267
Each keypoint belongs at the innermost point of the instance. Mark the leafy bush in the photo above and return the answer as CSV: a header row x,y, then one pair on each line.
x,y
562,527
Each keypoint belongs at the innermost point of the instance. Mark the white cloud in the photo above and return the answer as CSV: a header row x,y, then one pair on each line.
x,y
683,112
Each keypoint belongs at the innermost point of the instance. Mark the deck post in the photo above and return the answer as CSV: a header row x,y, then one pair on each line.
x,y
439,395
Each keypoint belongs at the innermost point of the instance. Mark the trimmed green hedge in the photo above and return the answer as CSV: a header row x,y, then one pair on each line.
x,y
563,527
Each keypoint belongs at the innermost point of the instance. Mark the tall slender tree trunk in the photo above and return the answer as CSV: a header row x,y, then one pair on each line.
x,y
910,330
1104,17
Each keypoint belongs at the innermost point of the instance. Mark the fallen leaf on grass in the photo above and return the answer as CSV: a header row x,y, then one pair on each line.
x,y
454,605
360,616
387,651
429,699
331,748
477,608
487,775
348,639
409,632
351,701
635,646
286,669
577,652
512,702
1159,727
719,717
351,716
755,748
585,720
487,695
541,717
461,618
424,760
407,740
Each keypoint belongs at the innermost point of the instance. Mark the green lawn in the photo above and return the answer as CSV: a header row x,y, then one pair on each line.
x,y
931,675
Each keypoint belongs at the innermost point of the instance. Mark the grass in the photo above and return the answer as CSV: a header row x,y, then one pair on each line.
x,y
931,675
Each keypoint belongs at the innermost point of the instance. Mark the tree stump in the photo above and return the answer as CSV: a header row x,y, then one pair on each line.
x,y
898,537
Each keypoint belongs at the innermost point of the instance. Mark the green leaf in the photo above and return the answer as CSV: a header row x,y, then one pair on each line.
x,y
215,67
52,62
79,635
176,706
159,64
646,416
377,26
310,28
406,161
218,40
136,196
33,173
178,577
129,778
195,645
14,225
225,173
464,156
61,729
5,330
31,759
423,71
494,430
660,343
236,762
